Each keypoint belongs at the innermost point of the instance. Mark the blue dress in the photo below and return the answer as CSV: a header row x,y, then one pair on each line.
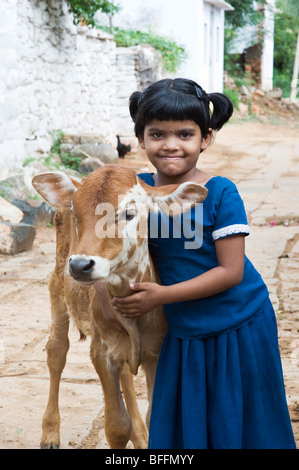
x,y
219,381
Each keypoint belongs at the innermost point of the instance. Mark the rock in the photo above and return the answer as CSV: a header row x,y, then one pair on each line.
x,y
275,94
35,212
89,150
88,138
38,166
91,139
72,174
107,153
9,212
104,152
90,164
15,238
244,90
259,93
19,186
70,139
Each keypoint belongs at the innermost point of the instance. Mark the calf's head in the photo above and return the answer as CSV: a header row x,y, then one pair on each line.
x,y
108,223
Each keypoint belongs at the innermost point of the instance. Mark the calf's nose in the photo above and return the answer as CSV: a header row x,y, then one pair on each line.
x,y
81,267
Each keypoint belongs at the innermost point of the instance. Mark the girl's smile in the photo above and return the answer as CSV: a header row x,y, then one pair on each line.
x,y
173,147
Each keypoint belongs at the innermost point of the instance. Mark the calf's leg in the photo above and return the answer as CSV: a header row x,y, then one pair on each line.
x,y
150,366
117,420
139,434
57,347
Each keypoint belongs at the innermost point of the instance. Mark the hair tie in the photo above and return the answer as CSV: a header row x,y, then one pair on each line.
x,y
140,98
198,92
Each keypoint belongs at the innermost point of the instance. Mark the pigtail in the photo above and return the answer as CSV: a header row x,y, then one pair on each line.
x,y
134,103
222,110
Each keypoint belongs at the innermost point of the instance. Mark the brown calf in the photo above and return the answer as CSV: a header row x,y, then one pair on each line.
x,y
101,235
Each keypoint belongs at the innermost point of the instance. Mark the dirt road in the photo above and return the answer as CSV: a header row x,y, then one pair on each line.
x,y
264,163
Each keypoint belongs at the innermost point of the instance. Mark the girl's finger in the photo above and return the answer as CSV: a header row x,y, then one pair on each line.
x,y
127,301
132,314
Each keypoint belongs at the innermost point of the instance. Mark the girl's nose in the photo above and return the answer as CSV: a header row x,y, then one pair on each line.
x,y
171,143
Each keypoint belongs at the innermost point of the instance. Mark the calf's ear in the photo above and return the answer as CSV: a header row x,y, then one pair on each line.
x,y
56,188
175,199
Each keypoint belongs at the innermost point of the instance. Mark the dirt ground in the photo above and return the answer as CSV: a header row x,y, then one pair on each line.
x,y
263,160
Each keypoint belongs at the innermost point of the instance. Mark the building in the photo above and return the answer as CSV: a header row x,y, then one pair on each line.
x,y
248,37
197,25
268,47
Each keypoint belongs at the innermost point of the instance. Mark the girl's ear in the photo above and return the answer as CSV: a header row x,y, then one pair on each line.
x,y
141,142
207,140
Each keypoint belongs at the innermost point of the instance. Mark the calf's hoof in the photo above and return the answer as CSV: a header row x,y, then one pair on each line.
x,y
49,446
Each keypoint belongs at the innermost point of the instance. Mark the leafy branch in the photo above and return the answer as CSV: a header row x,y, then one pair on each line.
x,y
85,10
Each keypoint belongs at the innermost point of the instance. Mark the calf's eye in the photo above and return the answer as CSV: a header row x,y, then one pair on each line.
x,y
130,215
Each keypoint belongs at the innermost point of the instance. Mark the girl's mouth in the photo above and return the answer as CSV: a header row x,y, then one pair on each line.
x,y
171,158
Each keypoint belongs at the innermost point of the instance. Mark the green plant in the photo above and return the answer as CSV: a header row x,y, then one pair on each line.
x,y
28,160
85,10
50,163
57,136
68,160
244,12
172,53
285,39
233,95
5,187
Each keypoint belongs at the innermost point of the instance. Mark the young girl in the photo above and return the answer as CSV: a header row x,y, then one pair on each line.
x,y
219,382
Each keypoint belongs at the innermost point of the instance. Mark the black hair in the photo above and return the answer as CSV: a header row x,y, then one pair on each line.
x,y
179,99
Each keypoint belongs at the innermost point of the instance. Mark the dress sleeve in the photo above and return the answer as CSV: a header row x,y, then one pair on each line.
x,y
231,215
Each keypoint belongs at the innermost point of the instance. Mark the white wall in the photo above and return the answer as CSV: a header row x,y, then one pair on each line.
x,y
183,22
171,18
212,47
51,79
55,76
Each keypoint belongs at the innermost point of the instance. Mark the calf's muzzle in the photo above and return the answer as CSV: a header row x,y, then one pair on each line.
x,y
81,268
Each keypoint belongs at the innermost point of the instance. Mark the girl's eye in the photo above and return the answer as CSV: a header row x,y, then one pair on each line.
x,y
157,135
185,135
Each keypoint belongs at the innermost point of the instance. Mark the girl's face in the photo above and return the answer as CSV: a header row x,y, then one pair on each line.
x,y
173,147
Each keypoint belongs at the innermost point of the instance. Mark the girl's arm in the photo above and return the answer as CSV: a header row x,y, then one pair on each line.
x,y
230,253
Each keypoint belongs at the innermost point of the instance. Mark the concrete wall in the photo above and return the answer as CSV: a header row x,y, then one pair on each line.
x,y
54,75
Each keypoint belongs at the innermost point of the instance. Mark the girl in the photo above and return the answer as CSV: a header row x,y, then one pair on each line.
x,y
219,381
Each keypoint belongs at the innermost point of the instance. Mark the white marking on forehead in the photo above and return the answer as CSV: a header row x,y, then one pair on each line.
x,y
134,195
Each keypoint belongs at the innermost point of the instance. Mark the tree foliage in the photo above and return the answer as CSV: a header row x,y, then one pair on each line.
x,y
285,40
85,10
244,13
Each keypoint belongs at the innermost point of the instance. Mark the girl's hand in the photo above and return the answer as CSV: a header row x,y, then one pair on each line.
x,y
148,296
